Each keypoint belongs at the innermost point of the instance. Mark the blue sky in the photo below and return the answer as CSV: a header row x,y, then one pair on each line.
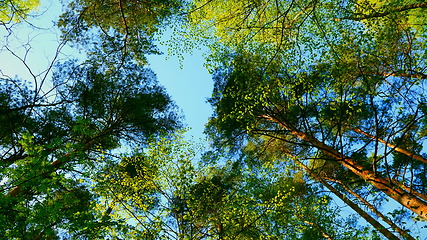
x,y
187,81
189,84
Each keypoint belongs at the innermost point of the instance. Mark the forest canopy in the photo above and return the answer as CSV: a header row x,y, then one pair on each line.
x,y
319,120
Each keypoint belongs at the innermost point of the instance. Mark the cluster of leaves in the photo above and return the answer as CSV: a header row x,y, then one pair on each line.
x,y
16,10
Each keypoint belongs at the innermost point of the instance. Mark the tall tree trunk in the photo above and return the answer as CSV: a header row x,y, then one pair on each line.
x,y
406,199
351,204
396,228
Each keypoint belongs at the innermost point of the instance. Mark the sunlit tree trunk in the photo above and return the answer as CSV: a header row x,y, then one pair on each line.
x,y
375,210
406,199
351,204
392,146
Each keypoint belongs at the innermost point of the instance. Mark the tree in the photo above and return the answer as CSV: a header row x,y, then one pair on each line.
x,y
58,123
332,90
53,141
125,27
285,24
165,192
299,109
342,90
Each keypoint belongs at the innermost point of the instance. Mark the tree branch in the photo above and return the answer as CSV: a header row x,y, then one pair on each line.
x,y
386,185
392,146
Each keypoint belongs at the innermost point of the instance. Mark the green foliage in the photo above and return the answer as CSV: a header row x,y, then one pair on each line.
x,y
124,27
124,16
300,75
52,140
94,157
163,193
127,97
16,10
49,143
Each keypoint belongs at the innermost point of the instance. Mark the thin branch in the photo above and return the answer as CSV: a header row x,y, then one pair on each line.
x,y
392,146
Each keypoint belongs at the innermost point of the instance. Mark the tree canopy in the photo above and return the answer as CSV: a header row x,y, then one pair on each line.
x,y
16,10
339,84
317,104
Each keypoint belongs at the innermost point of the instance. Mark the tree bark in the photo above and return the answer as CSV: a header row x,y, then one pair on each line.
x,y
406,199
351,204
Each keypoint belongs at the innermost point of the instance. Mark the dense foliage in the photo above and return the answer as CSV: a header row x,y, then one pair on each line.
x,y
315,102
338,85
16,10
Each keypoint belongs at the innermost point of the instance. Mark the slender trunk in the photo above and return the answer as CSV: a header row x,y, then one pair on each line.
x,y
407,75
406,199
396,228
403,151
354,206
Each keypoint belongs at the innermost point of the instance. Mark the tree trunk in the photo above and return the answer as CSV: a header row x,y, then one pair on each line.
x,y
383,184
352,205
396,228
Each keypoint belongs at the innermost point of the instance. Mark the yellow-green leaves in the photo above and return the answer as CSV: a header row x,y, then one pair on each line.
x,y
27,143
241,23
16,10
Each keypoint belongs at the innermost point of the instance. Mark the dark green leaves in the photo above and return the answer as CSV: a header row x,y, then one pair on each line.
x,y
120,27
